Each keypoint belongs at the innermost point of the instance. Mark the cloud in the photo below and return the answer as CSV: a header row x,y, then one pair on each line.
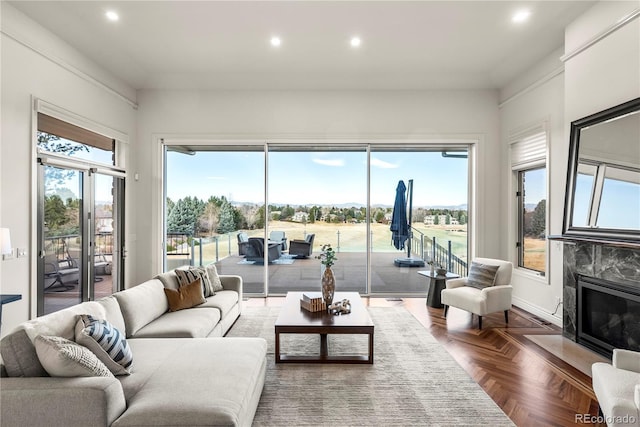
x,y
382,164
330,162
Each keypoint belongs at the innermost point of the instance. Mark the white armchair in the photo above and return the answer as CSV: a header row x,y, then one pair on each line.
x,y
483,301
617,387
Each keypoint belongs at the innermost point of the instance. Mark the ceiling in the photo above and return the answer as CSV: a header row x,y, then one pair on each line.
x,y
225,45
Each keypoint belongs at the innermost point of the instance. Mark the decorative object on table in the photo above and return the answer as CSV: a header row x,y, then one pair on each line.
x,y
340,307
438,268
313,302
328,258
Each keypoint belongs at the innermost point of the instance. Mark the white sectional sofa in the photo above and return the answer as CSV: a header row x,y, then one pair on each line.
x,y
184,372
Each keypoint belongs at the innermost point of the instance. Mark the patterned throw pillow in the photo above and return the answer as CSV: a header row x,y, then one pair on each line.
x,y
212,272
482,275
64,358
106,342
186,297
191,274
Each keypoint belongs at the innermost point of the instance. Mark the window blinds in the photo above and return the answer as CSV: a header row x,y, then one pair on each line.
x,y
529,149
66,130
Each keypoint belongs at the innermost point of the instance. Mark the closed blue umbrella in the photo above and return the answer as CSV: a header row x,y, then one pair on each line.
x,y
399,225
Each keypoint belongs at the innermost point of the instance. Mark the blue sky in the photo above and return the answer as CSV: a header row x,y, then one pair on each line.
x,y
321,178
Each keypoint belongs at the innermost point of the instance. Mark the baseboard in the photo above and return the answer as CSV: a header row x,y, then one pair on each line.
x,y
537,311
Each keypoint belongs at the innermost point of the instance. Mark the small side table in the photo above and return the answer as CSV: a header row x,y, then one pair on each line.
x,y
6,299
436,285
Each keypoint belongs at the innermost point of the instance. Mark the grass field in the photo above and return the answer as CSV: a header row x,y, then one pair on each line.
x,y
535,254
343,237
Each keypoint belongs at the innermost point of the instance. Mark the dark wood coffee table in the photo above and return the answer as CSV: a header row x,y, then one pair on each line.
x,y
294,319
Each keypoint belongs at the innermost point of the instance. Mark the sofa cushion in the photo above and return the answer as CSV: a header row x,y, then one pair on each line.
x,y
169,279
19,356
142,304
64,358
222,300
212,272
113,313
482,275
187,296
191,274
225,390
193,323
106,342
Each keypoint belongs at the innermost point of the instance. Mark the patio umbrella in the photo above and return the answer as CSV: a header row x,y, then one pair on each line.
x,y
399,225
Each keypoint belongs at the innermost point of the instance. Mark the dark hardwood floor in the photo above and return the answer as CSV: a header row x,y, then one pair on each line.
x,y
531,385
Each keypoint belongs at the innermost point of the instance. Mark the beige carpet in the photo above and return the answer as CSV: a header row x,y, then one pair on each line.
x,y
413,381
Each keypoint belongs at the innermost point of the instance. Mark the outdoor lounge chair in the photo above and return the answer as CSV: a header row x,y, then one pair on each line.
x,y
302,248
255,250
243,243
279,237
60,275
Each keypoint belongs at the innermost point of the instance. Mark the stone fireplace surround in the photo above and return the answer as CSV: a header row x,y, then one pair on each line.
x,y
597,260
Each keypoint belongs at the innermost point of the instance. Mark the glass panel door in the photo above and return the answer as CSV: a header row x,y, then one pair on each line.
x,y
214,203
61,239
107,234
436,208
317,197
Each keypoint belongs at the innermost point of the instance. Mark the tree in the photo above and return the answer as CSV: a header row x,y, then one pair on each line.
x,y
209,219
226,223
56,177
539,219
184,216
462,219
447,219
55,213
436,220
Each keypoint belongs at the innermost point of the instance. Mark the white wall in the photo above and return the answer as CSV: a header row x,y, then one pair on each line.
x,y
26,73
604,74
608,72
536,99
262,115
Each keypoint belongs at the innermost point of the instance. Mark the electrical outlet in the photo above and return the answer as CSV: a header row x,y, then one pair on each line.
x,y
22,252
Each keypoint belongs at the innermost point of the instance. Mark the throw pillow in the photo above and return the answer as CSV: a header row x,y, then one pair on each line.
x,y
186,297
481,275
106,342
191,274
64,358
212,272
19,356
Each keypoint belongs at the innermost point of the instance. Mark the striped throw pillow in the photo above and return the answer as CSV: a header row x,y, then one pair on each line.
x,y
106,342
190,275
482,275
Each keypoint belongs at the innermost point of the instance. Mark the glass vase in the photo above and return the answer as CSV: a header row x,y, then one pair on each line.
x,y
328,286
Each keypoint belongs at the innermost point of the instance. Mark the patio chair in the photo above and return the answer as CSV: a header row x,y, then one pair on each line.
x,y
60,275
302,248
279,237
255,250
243,243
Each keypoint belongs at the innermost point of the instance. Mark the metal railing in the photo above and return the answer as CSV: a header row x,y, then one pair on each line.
x,y
445,257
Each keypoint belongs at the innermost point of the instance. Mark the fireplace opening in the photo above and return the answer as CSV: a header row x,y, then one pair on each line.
x,y
608,315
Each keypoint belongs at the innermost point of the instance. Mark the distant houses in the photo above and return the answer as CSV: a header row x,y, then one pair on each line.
x,y
440,220
300,217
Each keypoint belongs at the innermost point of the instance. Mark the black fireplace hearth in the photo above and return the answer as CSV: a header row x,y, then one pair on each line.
x,y
608,315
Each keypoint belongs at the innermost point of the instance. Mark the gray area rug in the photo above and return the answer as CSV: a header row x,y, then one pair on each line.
x,y
413,380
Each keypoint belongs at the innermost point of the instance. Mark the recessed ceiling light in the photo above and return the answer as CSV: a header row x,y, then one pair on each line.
x,y
112,16
355,41
521,16
275,41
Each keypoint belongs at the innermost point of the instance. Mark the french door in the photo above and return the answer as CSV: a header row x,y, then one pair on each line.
x,y
80,233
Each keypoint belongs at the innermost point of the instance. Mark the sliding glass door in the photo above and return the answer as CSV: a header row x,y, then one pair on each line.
x,y
318,196
264,213
214,203
435,186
